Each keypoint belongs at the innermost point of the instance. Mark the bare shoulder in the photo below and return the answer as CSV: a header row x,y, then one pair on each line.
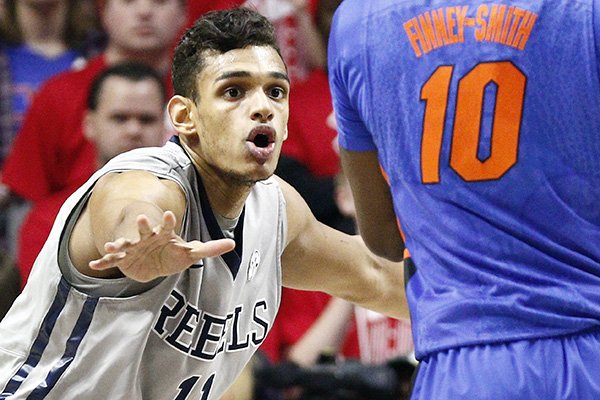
x,y
132,178
118,198
138,185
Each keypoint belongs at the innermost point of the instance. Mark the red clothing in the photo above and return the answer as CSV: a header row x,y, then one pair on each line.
x,y
286,28
51,157
298,311
34,231
310,139
196,8
50,153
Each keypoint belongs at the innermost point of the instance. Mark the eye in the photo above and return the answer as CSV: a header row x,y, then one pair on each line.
x,y
277,93
148,119
233,92
119,118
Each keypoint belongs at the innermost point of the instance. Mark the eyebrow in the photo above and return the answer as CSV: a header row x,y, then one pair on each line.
x,y
246,74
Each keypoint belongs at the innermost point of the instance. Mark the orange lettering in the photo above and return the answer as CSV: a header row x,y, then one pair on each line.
x,y
461,15
507,23
440,25
495,27
482,12
451,23
518,15
410,28
524,30
427,26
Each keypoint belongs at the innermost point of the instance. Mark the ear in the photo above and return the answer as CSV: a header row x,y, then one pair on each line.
x,y
180,109
88,126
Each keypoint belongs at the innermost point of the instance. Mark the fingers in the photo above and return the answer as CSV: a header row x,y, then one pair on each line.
x,y
108,261
118,245
211,248
144,227
168,221
175,253
167,225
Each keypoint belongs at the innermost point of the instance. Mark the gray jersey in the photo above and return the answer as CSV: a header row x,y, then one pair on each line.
x,y
186,336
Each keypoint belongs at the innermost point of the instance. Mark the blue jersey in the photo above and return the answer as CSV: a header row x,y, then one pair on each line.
x,y
486,118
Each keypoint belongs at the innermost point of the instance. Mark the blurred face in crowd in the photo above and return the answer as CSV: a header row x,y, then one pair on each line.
x,y
129,115
143,25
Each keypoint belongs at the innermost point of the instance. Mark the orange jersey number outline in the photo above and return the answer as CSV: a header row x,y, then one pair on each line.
x,y
466,132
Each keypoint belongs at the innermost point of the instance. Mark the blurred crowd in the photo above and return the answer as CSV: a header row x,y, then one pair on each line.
x,y
84,80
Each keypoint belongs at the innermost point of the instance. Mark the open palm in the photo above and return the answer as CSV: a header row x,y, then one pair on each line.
x,y
158,252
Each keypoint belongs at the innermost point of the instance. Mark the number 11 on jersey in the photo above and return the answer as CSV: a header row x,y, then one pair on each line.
x,y
185,388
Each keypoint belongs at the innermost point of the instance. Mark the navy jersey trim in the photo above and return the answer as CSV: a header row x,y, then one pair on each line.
x,y
81,327
41,341
233,259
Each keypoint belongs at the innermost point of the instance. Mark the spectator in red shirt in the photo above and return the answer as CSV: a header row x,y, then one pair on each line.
x,y
51,156
125,110
38,39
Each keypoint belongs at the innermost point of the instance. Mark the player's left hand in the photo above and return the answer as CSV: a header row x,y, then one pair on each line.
x,y
159,251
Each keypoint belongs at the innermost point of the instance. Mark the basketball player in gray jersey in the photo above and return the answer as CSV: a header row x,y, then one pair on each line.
x,y
162,274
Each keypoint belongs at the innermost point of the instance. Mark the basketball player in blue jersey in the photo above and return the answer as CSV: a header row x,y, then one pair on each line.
x,y
162,274
474,127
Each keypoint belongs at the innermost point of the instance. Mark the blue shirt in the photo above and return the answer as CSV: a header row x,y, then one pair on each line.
x,y
486,119
28,70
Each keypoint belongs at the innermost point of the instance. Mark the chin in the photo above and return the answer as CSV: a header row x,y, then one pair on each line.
x,y
246,179
253,178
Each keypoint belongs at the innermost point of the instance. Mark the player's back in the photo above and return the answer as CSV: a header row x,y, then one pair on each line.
x,y
487,120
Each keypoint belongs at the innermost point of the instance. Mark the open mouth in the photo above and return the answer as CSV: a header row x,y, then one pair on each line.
x,y
262,136
261,143
261,140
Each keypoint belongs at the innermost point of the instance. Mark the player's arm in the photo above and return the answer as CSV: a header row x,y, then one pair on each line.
x,y
131,227
318,257
373,201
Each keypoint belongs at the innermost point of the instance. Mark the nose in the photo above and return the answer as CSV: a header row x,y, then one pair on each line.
x,y
134,128
145,8
262,109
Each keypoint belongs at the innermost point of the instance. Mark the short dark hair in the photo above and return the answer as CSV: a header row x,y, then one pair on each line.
x,y
220,31
133,71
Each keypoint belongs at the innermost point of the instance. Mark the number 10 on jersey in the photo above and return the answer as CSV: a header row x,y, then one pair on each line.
x,y
466,132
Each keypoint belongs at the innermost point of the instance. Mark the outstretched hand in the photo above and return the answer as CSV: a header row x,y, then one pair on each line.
x,y
158,252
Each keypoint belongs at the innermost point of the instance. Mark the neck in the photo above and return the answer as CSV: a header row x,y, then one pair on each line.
x,y
43,26
159,59
226,194
226,198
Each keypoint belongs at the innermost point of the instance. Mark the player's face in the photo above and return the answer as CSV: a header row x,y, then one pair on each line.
x,y
241,113
129,115
143,25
